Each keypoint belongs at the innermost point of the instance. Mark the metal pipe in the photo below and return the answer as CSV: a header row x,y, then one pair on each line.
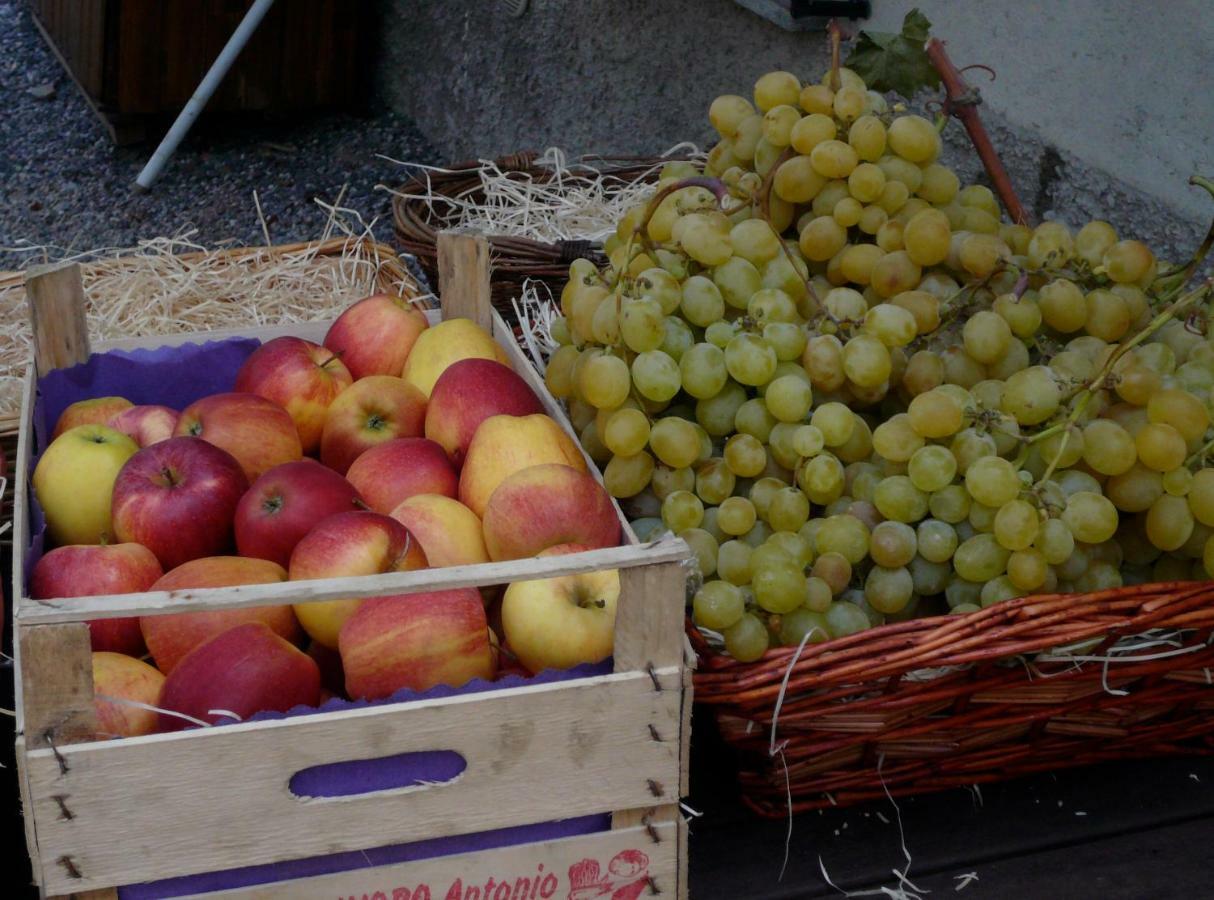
x,y
215,75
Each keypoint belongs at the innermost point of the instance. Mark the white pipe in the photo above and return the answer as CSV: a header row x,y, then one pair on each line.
x,y
215,75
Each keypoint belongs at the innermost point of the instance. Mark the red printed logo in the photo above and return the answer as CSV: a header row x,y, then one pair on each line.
x,y
627,875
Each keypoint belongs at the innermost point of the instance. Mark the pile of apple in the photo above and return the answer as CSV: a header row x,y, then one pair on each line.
x,y
393,446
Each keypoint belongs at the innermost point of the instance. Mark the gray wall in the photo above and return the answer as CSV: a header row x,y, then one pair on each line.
x,y
1100,108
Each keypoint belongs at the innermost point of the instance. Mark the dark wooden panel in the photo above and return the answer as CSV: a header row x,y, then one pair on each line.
x,y
77,28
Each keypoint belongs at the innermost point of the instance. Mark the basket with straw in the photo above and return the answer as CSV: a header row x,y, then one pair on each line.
x,y
540,211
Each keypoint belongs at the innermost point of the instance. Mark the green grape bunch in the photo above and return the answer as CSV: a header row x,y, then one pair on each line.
x,y
861,395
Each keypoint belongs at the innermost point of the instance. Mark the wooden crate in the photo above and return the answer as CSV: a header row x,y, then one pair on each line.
x,y
111,813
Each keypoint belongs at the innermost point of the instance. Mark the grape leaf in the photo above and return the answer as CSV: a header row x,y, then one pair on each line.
x,y
895,62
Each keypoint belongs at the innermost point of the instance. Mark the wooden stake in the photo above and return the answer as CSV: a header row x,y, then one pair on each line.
x,y
57,685
56,302
463,278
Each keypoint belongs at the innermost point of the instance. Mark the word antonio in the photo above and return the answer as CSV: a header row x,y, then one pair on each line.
x,y
540,886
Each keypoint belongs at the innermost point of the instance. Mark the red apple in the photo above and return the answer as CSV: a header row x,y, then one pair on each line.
x,y
467,393
541,506
96,411
349,543
375,335
146,424
170,637
370,412
415,641
91,570
285,503
503,445
390,473
177,498
122,687
257,431
245,670
301,377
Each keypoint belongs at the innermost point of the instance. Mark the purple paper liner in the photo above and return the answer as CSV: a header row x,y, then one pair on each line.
x,y
176,377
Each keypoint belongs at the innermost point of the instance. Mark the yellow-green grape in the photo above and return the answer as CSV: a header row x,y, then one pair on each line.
x,y
808,440
892,325
765,155
832,568
1022,314
822,479
939,186
822,238
659,285
678,337
702,303
888,590
787,510
776,88
754,241
780,445
817,98
986,336
714,481
719,334
847,212
893,197
810,131
1092,240
779,586
979,196
867,136
558,376
980,558
626,432
961,594
1092,517
832,194
845,535
1064,449
857,447
1027,569
727,111
597,451
961,368
762,491
950,504
1160,447
733,562
735,280
704,546
702,240
897,498
998,590
1016,525
627,476
845,304
754,419
682,510
717,605
702,370
1031,395
748,137
894,273
889,236
736,516
1181,410
788,398
1108,448
717,414
982,518
872,219
992,481
866,182
936,540
818,594
1201,496
866,361
931,468
1128,261
935,414
892,544
981,254
778,122
788,339
924,371
895,439
1169,522
823,360
1108,315
745,455
1063,306
856,261
833,159
835,422
843,619
1207,557
1051,245
803,625
914,138
1100,576
603,381
747,639
1137,384
675,442
1178,481
797,180
656,375
641,324
898,169
667,480
849,103
750,359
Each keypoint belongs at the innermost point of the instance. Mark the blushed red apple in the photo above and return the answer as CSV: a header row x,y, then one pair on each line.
x,y
245,670
301,377
257,431
375,335
178,498
415,641
95,411
92,570
542,506
390,473
122,687
370,412
171,636
346,544
147,424
285,503
467,393
503,445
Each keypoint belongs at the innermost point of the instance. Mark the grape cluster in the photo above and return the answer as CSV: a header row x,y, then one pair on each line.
x,y
861,396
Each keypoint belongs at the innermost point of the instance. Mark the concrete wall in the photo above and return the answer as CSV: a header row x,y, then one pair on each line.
x,y
1100,109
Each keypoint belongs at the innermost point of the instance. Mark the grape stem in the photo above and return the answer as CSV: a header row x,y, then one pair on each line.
x,y
836,40
1199,455
1085,396
962,101
1175,281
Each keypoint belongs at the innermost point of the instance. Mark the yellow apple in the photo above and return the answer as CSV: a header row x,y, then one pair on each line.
x,y
448,342
74,480
557,623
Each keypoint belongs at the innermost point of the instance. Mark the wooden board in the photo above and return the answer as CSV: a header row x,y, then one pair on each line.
x,y
207,799
548,869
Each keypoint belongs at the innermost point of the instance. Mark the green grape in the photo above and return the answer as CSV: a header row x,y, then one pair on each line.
x,y
714,481
754,419
727,111
754,241
889,236
1178,481
892,325
675,442
627,476
750,359
776,88
1063,306
803,625
914,138
980,558
1016,525
935,414
720,333
1022,314
898,499
847,212
787,338
780,445
736,516
898,169
778,122
894,273
787,510
745,455
924,371
660,286
936,540
641,325
558,376
779,588
1100,576
928,579
866,361
831,159
704,546
818,593
794,545
981,254
747,639
626,432
603,381
950,504
857,447
823,360
735,280
866,182
892,544
939,186
872,219
895,440
992,481
931,468
788,398
961,593
1108,315
832,194
703,242
733,562
1031,396
867,136
1027,569
811,130
667,480
982,518
656,375
998,590
822,479
677,339
702,371
888,590
1092,240
1108,448
1160,447
808,440
845,535
1169,522
1201,496
771,305
1092,518
717,414
682,510
1181,410
797,181
986,336
844,618
845,304
822,238
1128,261
717,605
702,301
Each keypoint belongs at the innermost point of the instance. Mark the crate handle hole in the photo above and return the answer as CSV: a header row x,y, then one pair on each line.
x,y
355,777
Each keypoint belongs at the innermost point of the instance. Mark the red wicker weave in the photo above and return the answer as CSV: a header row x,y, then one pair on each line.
x,y
514,259
959,700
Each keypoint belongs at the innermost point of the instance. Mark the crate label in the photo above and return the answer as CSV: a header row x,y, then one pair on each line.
x,y
622,877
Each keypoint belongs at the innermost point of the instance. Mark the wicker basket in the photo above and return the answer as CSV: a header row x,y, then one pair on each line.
x,y
944,702
515,259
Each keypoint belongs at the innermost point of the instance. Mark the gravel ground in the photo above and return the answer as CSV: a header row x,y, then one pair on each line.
x,y
63,184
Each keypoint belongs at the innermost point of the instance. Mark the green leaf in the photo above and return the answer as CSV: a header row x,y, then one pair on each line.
x,y
895,62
